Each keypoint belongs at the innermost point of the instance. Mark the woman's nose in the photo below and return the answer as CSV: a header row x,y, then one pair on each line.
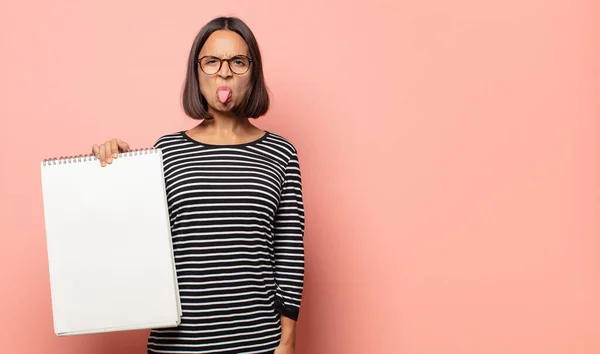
x,y
225,71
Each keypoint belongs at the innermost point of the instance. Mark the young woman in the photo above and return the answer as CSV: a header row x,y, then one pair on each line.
x,y
234,195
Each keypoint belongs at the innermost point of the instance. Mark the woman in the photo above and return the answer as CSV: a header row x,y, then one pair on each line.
x,y
235,202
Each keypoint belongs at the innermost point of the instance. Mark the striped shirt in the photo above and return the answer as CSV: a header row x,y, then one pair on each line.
x,y
237,224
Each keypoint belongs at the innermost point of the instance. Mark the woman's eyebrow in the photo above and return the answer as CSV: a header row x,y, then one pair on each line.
x,y
222,56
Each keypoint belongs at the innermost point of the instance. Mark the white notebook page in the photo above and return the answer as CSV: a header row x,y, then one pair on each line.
x,y
109,245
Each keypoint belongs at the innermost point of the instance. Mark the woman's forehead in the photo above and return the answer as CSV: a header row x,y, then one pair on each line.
x,y
224,44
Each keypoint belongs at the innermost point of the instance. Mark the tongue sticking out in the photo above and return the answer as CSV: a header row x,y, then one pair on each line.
x,y
224,93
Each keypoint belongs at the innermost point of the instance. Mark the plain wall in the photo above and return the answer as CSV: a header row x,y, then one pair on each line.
x,y
449,152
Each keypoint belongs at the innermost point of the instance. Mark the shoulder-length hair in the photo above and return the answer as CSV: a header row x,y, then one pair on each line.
x,y
257,97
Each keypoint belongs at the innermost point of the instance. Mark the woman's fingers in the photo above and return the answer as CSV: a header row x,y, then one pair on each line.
x,y
114,148
109,150
102,155
96,150
123,146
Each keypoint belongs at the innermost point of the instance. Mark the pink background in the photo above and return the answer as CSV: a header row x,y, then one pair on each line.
x,y
449,153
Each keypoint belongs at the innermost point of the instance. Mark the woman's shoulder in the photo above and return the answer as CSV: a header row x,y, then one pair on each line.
x,y
282,142
168,138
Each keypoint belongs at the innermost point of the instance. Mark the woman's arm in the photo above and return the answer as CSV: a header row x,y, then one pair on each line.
x,y
289,254
288,332
288,237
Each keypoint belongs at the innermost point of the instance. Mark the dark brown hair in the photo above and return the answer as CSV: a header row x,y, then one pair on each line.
x,y
256,103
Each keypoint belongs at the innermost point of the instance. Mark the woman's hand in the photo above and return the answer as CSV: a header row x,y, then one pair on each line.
x,y
285,349
108,151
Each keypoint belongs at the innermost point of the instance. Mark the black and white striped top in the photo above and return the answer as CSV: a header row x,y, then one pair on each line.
x,y
237,223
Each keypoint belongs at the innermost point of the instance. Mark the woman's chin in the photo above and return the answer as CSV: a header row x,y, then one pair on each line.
x,y
226,106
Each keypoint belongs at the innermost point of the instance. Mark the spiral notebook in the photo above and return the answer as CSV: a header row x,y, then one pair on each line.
x,y
110,254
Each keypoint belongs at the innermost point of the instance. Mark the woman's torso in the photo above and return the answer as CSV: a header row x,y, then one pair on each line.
x,y
222,200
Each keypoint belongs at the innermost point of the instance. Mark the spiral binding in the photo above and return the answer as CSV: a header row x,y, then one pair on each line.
x,y
62,160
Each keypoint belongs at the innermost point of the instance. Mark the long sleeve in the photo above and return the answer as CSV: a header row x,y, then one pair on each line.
x,y
289,242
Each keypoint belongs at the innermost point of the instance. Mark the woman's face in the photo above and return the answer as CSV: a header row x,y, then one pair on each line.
x,y
226,88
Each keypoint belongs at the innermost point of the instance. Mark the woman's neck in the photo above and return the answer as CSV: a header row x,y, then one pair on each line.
x,y
226,123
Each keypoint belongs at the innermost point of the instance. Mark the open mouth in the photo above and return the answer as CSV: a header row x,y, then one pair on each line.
x,y
224,93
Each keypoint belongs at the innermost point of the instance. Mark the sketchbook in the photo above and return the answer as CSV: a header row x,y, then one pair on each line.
x,y
110,254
